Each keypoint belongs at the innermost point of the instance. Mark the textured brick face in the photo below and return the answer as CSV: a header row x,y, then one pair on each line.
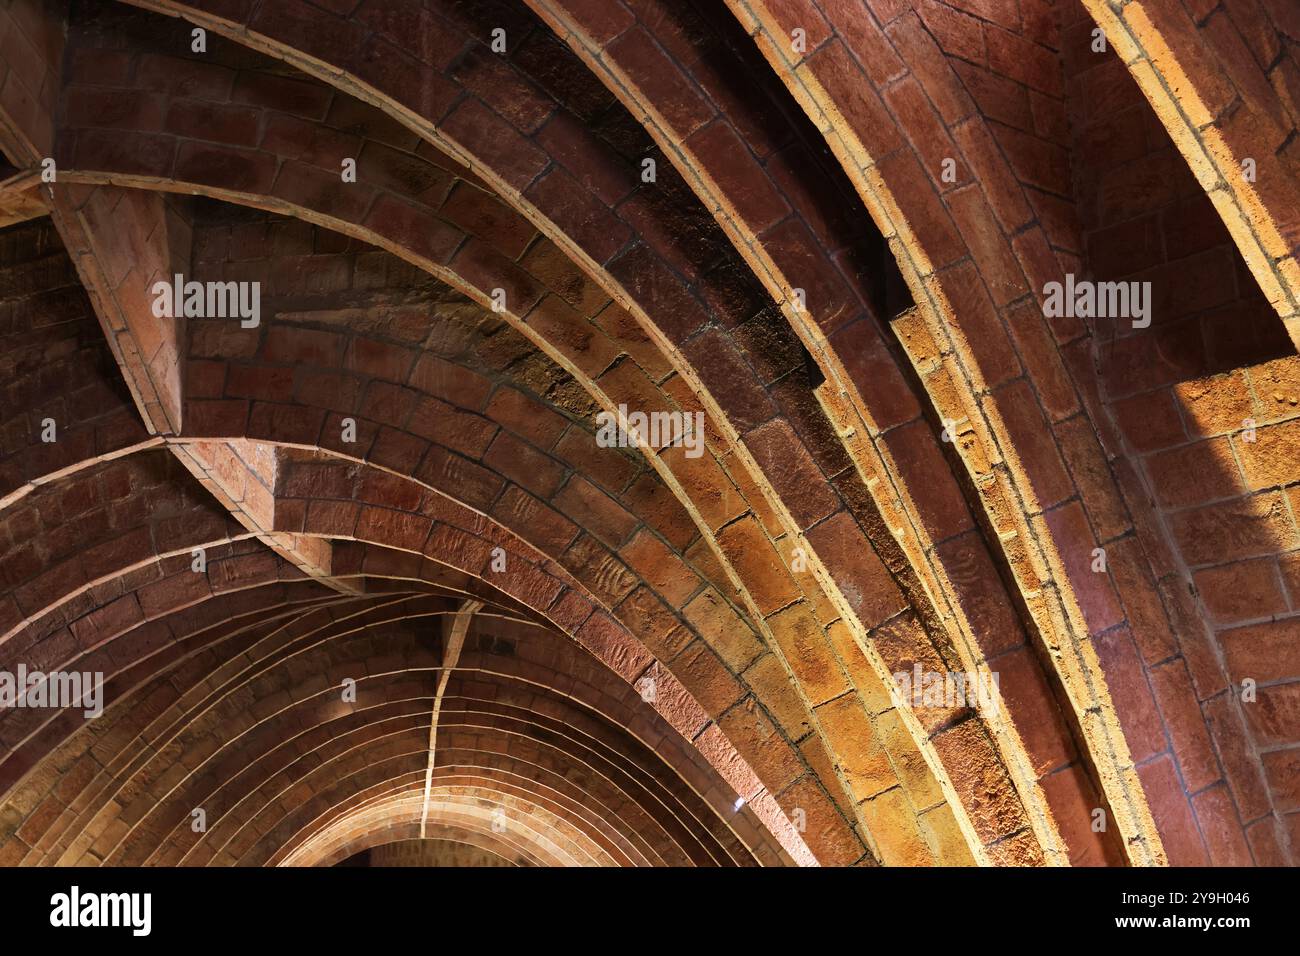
x,y
376,586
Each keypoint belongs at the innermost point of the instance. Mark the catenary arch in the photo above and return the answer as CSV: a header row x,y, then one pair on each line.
x,y
965,755
918,344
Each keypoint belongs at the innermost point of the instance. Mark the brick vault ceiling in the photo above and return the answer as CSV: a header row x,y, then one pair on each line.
x,y
367,584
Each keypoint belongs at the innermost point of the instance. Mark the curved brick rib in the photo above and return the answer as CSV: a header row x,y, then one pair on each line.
x,y
393,814
220,831
344,815
596,629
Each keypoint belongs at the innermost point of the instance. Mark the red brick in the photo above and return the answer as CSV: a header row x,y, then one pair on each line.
x,y
196,119
488,218
597,513
1263,652
225,167
1033,710
924,472
660,81
114,109
858,572
1195,474
286,93
1172,813
1033,443
726,159
1073,798
918,49
927,217
1127,682
925,130
997,97
1019,59
978,323
981,593
1236,529
413,227
1186,727
838,73
1243,591
792,472
1282,770
1150,421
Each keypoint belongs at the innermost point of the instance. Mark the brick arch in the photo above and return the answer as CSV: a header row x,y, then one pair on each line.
x,y
539,776
318,514
199,674
364,819
963,755
535,824
1219,85
701,358
384,821
186,593
333,737
458,840
542,773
